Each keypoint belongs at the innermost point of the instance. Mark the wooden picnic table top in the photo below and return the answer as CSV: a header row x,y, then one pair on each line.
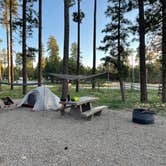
x,y
82,100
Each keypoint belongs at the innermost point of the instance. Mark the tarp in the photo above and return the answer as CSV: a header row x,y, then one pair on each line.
x,y
76,77
43,98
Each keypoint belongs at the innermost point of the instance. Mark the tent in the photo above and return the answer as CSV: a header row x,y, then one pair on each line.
x,y
41,99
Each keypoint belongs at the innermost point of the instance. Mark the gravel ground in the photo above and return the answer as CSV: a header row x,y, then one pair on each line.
x,y
47,139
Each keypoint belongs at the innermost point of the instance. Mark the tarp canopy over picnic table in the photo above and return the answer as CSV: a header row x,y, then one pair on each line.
x,y
84,77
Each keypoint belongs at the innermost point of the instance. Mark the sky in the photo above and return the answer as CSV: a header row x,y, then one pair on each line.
x,y
53,24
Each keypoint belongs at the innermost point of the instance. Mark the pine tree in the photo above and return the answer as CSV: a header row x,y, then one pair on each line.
x,y
10,9
53,50
94,43
27,22
66,47
73,59
67,5
142,29
24,52
11,43
40,44
143,76
115,40
73,51
153,18
77,17
163,51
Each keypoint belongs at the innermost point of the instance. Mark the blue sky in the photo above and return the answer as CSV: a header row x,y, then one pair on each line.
x,y
53,24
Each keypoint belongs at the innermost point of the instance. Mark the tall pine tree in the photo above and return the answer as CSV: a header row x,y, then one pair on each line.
x,y
115,40
40,43
94,43
28,22
163,51
24,52
143,84
77,17
53,50
10,9
67,5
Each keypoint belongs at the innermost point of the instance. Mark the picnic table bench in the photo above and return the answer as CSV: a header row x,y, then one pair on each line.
x,y
83,108
93,111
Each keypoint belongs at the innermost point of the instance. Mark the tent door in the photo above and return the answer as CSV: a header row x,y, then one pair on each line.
x,y
32,99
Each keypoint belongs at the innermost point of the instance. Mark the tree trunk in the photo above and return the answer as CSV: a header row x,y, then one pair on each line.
x,y
24,57
78,48
8,43
119,56
94,44
143,86
163,51
122,89
0,73
11,47
8,54
66,47
40,43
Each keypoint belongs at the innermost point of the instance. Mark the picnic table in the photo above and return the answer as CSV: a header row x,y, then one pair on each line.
x,y
83,107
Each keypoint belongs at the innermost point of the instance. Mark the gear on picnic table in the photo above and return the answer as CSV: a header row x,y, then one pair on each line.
x,y
75,98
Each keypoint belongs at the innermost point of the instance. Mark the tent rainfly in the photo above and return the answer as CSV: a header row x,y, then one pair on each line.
x,y
41,99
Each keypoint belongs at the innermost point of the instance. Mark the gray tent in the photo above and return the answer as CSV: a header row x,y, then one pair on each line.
x,y
41,99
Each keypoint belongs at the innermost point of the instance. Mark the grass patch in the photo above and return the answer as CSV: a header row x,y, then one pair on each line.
x,y
109,97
